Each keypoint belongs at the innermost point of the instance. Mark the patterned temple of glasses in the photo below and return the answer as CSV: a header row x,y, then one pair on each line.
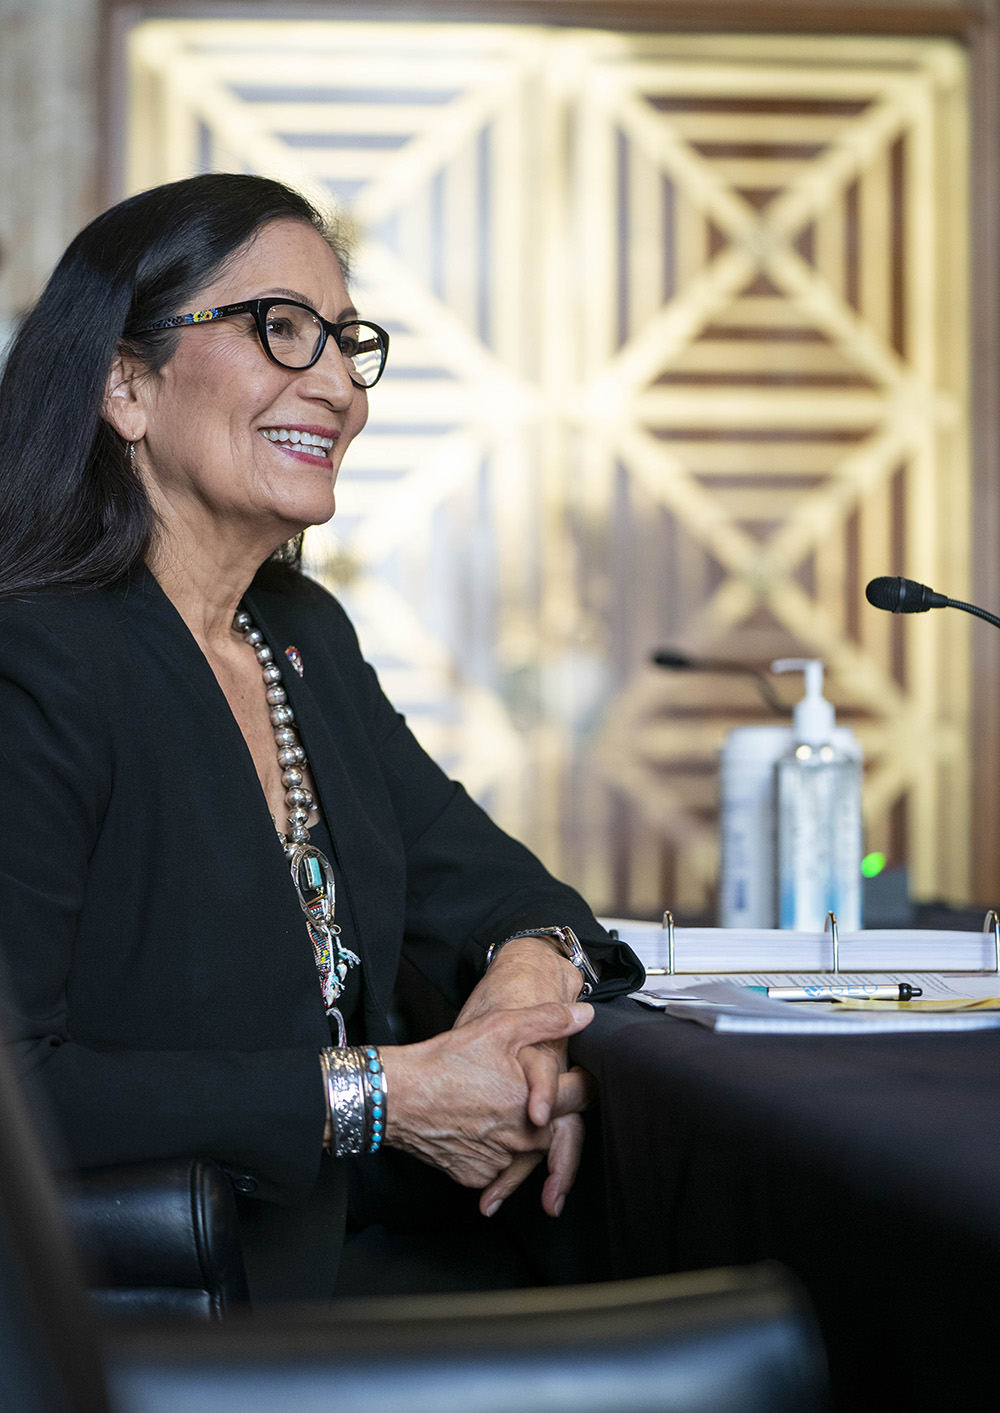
x,y
293,335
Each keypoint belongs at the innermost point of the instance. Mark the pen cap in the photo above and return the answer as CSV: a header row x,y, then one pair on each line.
x,y
813,722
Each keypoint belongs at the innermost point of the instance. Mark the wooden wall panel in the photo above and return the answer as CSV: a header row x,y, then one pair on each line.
x,y
680,336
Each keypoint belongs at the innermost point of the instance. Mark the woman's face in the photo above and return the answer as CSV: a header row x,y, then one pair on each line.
x,y
204,448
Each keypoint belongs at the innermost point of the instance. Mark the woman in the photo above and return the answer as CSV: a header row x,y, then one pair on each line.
x,y
173,692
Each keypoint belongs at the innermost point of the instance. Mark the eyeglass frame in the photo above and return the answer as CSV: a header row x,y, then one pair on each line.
x,y
260,308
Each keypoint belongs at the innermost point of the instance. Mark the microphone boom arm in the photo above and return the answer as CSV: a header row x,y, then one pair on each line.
x,y
678,661
979,612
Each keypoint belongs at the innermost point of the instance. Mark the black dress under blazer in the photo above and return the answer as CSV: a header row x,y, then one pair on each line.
x,y
164,981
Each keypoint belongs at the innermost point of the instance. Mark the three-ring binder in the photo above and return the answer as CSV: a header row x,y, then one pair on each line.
x,y
991,924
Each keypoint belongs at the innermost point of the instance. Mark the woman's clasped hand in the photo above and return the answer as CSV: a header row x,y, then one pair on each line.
x,y
476,1103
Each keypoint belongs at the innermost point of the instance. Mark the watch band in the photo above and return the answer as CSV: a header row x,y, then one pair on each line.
x,y
568,944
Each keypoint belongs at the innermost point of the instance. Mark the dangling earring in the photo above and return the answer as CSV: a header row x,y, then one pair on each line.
x,y
130,454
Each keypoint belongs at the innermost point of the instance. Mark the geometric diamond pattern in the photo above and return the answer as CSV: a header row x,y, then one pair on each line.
x,y
678,356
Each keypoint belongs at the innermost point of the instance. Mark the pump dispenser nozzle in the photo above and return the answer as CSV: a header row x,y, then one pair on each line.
x,y
818,805
813,716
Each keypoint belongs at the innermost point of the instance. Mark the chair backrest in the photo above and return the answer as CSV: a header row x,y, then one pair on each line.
x,y
729,1341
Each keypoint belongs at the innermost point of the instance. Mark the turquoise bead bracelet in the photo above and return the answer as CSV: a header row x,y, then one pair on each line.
x,y
375,1093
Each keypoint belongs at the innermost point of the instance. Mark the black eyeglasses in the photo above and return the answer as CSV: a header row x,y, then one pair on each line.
x,y
294,336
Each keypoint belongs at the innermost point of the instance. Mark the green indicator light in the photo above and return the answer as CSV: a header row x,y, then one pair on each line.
x,y
872,865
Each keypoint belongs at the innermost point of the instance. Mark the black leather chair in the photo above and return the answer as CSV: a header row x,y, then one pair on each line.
x,y
714,1342
158,1238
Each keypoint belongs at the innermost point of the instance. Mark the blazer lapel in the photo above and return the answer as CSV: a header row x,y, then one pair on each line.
x,y
261,857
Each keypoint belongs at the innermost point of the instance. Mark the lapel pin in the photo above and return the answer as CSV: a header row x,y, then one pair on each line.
x,y
295,658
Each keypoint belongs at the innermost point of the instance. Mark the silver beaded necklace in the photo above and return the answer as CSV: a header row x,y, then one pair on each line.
x,y
311,872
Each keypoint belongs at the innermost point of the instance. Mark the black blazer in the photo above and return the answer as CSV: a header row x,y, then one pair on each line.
x,y
165,984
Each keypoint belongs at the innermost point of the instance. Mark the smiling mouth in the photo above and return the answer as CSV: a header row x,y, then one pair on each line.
x,y
312,443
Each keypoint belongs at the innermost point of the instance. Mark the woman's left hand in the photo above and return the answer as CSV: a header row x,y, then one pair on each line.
x,y
524,972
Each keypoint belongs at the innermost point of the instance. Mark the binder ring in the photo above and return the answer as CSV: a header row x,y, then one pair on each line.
x,y
668,923
991,923
831,926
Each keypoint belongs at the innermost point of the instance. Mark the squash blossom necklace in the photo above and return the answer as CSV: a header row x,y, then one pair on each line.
x,y
311,872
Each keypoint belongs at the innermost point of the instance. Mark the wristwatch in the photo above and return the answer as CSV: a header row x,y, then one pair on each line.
x,y
566,942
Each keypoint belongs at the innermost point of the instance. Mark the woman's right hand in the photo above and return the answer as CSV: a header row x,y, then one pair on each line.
x,y
460,1100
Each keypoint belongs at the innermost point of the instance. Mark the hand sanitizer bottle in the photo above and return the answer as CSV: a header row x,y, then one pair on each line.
x,y
818,814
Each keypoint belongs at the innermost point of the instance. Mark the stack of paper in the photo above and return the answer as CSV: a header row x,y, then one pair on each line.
x,y
730,1004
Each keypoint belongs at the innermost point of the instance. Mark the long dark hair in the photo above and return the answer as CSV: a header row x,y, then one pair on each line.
x,y
73,512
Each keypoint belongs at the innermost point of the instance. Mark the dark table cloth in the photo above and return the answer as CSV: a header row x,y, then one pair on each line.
x,y
870,1166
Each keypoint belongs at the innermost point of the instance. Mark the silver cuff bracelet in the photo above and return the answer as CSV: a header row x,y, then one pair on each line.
x,y
355,1098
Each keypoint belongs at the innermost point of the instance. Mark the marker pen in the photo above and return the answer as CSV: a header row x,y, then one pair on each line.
x,y
901,991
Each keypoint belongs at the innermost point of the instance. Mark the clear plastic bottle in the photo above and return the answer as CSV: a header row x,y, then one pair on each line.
x,y
818,814
746,818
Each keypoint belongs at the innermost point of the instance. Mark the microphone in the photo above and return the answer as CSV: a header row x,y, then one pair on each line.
x,y
682,662
903,596
907,596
